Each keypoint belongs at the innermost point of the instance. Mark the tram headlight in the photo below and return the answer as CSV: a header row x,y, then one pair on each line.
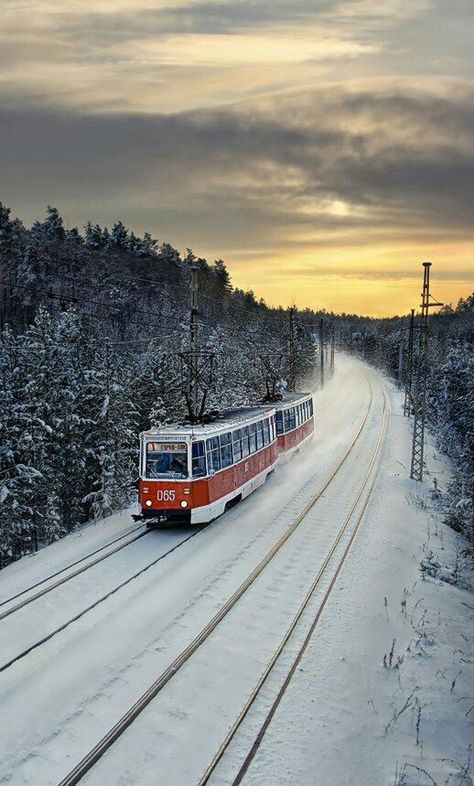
x,y
148,503
184,504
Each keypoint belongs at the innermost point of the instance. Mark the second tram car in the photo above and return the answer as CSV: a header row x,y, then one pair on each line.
x,y
192,473
294,421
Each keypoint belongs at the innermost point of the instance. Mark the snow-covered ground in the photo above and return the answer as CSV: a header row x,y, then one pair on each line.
x,y
382,695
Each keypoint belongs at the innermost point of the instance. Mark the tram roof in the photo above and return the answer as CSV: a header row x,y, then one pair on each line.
x,y
228,419
291,400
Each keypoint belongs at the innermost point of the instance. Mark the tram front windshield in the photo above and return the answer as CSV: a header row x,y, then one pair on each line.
x,y
166,460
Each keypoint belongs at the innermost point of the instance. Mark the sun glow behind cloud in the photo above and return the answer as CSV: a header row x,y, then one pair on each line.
x,y
322,149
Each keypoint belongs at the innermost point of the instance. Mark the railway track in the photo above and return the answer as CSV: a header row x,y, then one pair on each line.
x,y
164,678
22,654
142,532
100,600
364,497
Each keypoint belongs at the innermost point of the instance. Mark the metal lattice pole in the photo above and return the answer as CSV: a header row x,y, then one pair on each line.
x,y
407,405
418,446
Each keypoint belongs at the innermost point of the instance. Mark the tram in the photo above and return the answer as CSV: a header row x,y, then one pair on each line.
x,y
191,474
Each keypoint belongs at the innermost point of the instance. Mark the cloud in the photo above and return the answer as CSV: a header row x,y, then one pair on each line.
x,y
310,168
145,56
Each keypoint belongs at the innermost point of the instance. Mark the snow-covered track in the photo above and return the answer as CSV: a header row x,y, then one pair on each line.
x,y
327,569
142,532
100,600
154,689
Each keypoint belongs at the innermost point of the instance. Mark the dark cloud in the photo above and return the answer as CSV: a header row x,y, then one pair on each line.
x,y
325,161
201,18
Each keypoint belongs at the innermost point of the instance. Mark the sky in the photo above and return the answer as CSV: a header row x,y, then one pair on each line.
x,y
323,148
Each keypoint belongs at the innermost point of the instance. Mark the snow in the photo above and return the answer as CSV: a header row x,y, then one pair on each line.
x,y
334,725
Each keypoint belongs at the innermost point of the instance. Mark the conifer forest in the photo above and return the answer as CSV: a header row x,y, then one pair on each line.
x,y
92,325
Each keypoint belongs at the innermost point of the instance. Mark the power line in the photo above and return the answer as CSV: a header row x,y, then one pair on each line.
x,y
66,298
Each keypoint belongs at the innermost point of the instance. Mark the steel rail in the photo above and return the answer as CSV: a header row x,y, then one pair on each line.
x,y
70,576
306,600
100,600
142,702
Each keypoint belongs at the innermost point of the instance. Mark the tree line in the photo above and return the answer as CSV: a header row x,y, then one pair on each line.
x,y
92,324
450,391
92,327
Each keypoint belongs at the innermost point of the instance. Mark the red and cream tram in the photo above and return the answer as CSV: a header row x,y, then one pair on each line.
x,y
193,473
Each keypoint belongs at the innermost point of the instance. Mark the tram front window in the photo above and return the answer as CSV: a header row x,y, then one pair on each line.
x,y
166,460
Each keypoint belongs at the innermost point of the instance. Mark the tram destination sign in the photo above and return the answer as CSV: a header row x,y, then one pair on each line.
x,y
166,447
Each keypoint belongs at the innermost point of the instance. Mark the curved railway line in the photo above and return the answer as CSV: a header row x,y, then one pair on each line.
x,y
164,678
368,483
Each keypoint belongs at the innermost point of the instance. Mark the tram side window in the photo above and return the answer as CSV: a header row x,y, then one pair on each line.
x,y
213,454
292,418
245,441
252,437
311,407
259,435
237,445
306,410
226,449
279,422
266,432
199,460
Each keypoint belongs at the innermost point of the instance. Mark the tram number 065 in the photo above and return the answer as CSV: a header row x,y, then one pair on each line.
x,y
165,496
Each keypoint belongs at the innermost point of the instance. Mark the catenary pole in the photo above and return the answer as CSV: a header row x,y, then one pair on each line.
x,y
194,344
2,299
291,352
321,351
407,405
418,444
